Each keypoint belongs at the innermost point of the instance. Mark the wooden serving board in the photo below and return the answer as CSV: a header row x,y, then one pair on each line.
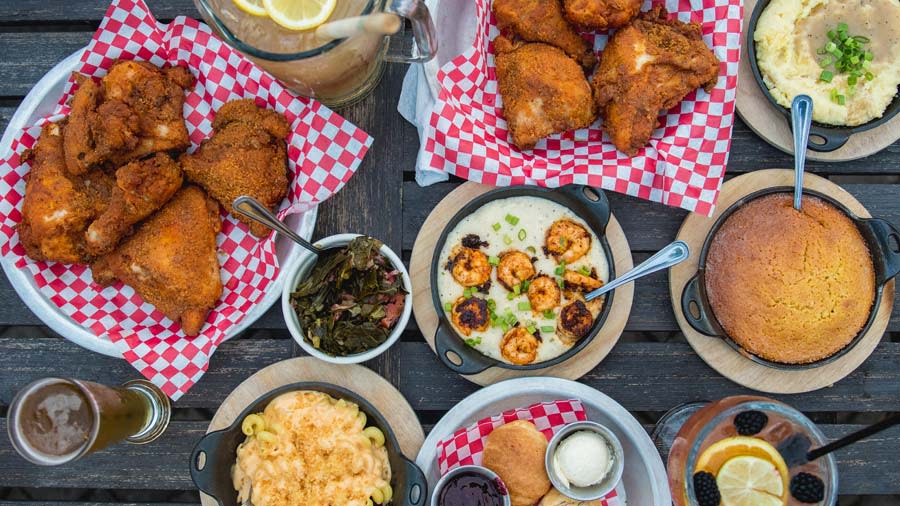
x,y
427,318
722,357
375,389
769,123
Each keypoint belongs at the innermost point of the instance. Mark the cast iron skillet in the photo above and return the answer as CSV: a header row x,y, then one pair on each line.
x,y
585,202
218,448
881,237
822,138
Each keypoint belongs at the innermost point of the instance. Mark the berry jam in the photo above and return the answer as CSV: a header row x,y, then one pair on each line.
x,y
470,489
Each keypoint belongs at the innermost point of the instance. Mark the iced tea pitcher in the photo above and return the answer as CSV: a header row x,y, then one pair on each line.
x,y
336,72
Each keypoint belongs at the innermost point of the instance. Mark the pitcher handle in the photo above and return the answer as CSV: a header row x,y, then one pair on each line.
x,y
424,33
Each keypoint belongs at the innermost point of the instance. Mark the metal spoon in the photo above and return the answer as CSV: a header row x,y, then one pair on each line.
x,y
801,120
796,452
672,254
251,208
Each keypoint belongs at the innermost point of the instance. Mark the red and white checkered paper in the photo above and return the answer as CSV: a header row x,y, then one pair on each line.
x,y
466,446
324,151
683,164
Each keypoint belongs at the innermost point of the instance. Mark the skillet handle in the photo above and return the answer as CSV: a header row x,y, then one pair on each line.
x,y
205,477
826,140
415,492
593,198
889,241
704,323
446,342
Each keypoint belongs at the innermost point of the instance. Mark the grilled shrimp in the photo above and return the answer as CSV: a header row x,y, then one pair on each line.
x,y
519,347
580,282
543,293
567,241
575,321
470,267
514,267
470,314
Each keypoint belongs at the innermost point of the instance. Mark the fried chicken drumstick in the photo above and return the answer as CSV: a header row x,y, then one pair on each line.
x,y
543,21
171,260
647,67
246,155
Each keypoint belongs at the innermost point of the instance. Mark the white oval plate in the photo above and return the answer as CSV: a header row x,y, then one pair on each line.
x,y
645,479
41,101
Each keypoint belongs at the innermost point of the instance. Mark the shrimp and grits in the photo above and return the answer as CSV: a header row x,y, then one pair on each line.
x,y
512,278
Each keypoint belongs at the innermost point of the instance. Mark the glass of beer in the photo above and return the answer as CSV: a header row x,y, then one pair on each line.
x,y
54,421
336,72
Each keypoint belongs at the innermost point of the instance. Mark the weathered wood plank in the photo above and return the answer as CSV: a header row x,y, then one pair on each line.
x,y
6,114
26,57
658,376
162,465
35,11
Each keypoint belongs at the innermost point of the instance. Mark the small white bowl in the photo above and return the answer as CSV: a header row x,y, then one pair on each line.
x,y
604,486
300,268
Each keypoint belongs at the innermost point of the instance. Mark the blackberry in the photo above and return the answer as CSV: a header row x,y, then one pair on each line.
x,y
749,423
807,488
706,490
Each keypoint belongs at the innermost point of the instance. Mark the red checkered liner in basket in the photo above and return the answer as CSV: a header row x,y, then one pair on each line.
x,y
683,165
466,445
324,151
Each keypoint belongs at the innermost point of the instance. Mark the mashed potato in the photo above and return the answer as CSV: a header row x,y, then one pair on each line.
x,y
311,449
790,31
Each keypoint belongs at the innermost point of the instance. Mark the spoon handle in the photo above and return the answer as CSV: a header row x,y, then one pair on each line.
x,y
801,121
251,208
854,437
672,254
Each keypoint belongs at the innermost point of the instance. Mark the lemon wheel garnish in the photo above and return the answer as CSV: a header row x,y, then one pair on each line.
x,y
750,481
299,14
714,457
254,7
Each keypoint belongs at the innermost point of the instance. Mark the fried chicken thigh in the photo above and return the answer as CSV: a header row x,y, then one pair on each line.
x,y
141,188
544,91
647,67
246,155
58,207
602,14
543,21
171,259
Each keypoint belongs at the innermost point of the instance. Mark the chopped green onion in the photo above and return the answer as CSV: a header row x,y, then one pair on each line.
x,y
511,319
861,39
824,62
496,227
826,76
493,260
842,27
524,306
448,307
512,220
522,234
868,56
584,270
517,289
530,329
560,282
507,239
851,81
504,326
841,100
473,342
548,314
560,269
510,296
831,46
869,76
525,285
531,250
547,329
492,304
468,292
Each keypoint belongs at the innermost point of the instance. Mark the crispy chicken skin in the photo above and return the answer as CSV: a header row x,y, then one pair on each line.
x,y
602,14
647,67
58,207
246,155
171,259
141,188
134,111
544,91
543,21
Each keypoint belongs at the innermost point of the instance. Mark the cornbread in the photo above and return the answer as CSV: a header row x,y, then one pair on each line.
x,y
308,448
790,286
515,451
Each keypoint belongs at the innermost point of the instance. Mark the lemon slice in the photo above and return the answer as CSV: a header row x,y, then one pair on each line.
x,y
299,14
714,457
750,481
254,7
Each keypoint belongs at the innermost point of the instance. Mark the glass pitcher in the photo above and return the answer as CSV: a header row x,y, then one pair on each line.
x,y
337,72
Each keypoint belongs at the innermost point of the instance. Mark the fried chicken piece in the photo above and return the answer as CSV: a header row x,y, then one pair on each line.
x,y
97,130
246,155
543,21
58,207
647,67
141,188
171,260
602,14
544,91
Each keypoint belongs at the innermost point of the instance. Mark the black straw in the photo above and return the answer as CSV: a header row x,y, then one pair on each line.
x,y
854,437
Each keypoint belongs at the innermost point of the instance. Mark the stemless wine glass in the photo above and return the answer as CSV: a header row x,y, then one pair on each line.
x,y
55,421
336,72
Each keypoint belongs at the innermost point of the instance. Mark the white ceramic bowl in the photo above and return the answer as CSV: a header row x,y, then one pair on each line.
x,y
303,264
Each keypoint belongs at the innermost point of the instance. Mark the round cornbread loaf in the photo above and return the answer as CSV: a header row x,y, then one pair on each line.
x,y
790,286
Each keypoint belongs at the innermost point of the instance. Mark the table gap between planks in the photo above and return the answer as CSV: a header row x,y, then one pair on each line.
x,y
651,370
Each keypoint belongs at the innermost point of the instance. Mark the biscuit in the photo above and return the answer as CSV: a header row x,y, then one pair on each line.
x,y
515,452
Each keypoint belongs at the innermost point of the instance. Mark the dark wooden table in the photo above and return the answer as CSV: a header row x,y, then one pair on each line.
x,y
651,370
